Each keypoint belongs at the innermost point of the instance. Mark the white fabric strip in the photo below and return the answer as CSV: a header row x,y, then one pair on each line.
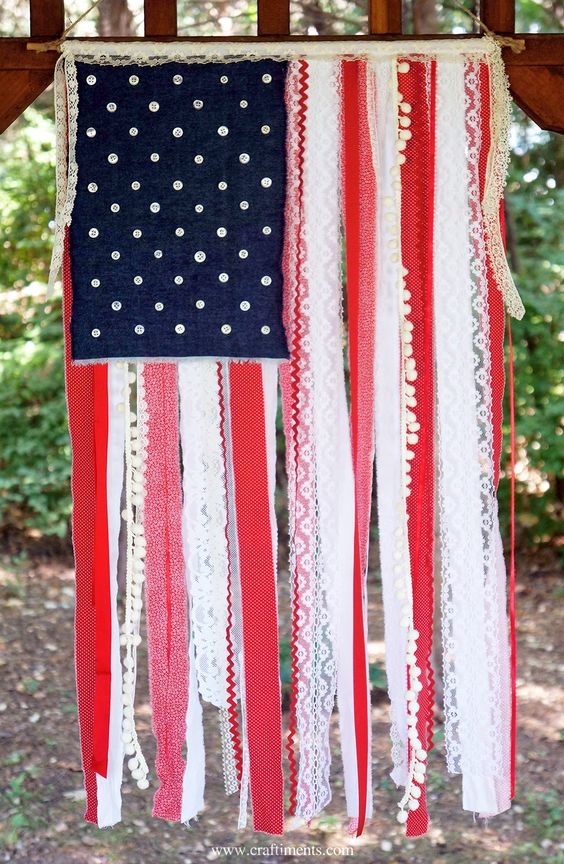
x,y
329,584
389,467
204,522
469,733
270,389
194,780
109,788
154,53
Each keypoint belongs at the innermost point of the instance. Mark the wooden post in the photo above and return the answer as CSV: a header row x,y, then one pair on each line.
x,y
384,16
498,15
273,17
160,18
47,17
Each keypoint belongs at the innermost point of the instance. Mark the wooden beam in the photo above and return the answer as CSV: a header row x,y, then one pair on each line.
x,y
19,89
498,15
273,17
539,91
384,17
160,18
47,17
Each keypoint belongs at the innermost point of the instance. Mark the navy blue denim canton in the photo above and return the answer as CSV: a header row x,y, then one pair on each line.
x,y
177,230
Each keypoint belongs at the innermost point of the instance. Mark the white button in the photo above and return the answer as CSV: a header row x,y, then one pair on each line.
x,y
91,131
159,307
91,79
221,232
93,232
179,232
243,103
155,157
222,185
138,280
114,208
243,253
112,158
267,78
245,305
266,182
244,158
137,233
92,187
224,277
265,330
111,106
134,79
180,328
178,132
199,208
224,79
154,106
244,205
178,280
95,333
177,79
178,184
200,256
266,280
158,253
200,304
154,207
134,131
139,329
223,131
198,159
265,129
116,305
226,329
95,283
116,256
267,230
136,185
197,103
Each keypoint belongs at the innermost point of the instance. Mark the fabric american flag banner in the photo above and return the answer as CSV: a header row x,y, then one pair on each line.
x,y
217,208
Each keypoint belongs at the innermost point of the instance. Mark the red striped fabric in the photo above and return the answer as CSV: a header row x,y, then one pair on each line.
x,y
167,620
258,595
359,196
417,195
80,404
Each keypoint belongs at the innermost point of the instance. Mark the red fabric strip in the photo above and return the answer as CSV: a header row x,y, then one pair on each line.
x,y
294,395
258,595
167,619
417,198
231,679
80,406
102,594
512,614
359,194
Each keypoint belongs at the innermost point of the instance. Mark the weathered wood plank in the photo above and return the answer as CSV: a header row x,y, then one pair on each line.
x,y
384,17
498,15
160,18
47,17
273,17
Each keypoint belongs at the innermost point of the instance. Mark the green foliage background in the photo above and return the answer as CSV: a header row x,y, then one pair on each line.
x,y
34,449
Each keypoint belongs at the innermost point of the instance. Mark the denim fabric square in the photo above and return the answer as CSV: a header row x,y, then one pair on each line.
x,y
177,230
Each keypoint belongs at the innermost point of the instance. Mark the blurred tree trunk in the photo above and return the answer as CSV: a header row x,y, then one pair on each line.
x,y
425,18
115,19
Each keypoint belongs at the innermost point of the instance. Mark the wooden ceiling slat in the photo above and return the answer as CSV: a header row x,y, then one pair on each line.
x,y
160,18
498,15
47,17
273,17
385,16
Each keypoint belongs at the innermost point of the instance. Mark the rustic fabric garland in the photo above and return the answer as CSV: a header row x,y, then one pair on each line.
x,y
205,198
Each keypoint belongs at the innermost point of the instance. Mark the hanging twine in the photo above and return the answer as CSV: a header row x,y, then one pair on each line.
x,y
55,45
516,45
